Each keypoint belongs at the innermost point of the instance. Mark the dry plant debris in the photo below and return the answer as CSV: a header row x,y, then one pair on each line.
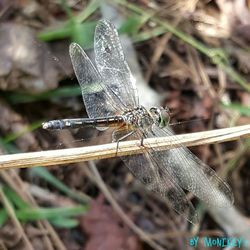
x,y
192,85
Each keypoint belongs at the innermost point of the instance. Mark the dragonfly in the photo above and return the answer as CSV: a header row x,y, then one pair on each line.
x,y
111,100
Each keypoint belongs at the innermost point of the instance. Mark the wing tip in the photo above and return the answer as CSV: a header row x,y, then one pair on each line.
x,y
104,21
105,24
76,49
73,46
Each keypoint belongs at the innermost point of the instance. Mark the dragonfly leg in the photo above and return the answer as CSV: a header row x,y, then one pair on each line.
x,y
142,141
144,135
121,138
151,130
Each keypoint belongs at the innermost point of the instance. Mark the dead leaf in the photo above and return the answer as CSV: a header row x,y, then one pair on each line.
x,y
106,230
25,63
235,14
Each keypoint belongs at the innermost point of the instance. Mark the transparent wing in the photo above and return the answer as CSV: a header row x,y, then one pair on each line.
x,y
96,99
148,168
192,174
111,64
167,172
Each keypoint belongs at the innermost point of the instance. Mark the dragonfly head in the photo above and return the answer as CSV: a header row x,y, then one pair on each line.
x,y
160,115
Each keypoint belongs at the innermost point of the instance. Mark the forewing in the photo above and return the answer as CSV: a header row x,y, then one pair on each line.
x,y
113,67
149,170
97,102
192,174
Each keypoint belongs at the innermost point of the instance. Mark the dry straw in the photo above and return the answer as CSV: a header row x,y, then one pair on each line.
x,y
73,155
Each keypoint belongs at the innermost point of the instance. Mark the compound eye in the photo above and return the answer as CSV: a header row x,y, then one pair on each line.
x,y
163,117
155,111
152,110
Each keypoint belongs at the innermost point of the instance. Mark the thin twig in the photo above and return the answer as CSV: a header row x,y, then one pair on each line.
x,y
14,219
73,155
216,55
100,183
49,234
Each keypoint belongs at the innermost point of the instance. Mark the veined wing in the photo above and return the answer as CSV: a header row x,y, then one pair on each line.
x,y
168,172
96,99
192,174
111,64
148,168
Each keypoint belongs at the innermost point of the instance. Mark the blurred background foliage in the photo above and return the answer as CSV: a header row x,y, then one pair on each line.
x,y
194,56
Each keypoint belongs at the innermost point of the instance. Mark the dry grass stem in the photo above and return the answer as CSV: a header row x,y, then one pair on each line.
x,y
73,155
16,222
100,183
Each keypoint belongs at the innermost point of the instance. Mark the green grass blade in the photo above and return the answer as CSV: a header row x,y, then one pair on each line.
x,y
3,217
83,34
11,137
14,198
17,98
133,24
8,147
88,11
47,176
146,35
30,214
212,53
74,28
64,222
54,34
243,110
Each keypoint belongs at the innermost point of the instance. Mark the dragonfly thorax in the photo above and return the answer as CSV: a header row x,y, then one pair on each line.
x,y
139,117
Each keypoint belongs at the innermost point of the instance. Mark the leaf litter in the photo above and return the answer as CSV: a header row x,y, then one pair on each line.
x,y
33,69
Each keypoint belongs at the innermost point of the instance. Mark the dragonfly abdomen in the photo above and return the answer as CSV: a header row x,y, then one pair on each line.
x,y
109,121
